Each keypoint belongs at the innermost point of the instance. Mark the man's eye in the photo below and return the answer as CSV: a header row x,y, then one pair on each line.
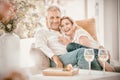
x,y
52,18
61,26
57,17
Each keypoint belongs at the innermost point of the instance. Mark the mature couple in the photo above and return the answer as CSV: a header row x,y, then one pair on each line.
x,y
53,44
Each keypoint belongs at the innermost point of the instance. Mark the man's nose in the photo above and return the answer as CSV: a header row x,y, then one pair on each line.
x,y
64,27
55,20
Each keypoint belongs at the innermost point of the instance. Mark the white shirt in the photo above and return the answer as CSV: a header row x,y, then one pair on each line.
x,y
81,32
47,41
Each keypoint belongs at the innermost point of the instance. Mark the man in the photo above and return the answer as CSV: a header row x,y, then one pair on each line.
x,y
47,41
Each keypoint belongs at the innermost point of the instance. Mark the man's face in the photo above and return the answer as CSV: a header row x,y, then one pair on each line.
x,y
53,20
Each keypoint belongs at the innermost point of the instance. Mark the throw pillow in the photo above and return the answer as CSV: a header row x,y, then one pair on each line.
x,y
89,26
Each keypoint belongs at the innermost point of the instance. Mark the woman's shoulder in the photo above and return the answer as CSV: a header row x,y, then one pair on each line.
x,y
81,30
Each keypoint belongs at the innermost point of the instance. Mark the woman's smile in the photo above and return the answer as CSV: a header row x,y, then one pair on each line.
x,y
67,30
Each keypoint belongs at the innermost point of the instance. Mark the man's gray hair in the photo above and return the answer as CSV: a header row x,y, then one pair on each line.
x,y
52,8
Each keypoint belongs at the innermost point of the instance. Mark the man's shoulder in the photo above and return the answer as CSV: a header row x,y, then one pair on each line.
x,y
43,29
41,32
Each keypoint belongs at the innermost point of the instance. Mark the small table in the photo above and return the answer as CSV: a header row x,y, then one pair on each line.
x,y
83,75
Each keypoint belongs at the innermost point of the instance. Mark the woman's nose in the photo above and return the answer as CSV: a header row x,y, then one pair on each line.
x,y
55,20
65,27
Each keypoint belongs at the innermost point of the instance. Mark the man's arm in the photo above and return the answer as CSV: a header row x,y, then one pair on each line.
x,y
57,61
41,43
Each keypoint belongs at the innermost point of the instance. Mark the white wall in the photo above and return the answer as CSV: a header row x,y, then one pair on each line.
x,y
111,28
75,9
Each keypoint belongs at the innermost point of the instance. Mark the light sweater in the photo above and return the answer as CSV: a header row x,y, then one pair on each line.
x,y
81,32
47,41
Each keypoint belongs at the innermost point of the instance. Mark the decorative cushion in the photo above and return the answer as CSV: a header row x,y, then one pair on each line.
x,y
41,61
89,26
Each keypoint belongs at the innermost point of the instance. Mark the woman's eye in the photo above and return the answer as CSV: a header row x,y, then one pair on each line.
x,y
51,17
62,26
67,23
57,17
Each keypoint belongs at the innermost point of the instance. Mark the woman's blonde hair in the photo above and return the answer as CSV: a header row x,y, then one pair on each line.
x,y
66,17
71,20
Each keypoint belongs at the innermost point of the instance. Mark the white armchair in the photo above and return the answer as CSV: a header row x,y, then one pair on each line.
x,y
41,61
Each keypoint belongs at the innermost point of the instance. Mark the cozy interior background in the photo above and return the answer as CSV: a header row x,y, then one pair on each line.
x,y
31,15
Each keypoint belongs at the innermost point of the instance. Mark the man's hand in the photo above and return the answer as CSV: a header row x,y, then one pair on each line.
x,y
64,40
57,61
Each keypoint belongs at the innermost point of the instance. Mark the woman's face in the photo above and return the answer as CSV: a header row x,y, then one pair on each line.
x,y
67,27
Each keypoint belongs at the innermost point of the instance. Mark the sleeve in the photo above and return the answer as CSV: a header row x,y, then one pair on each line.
x,y
83,32
41,43
94,43
80,33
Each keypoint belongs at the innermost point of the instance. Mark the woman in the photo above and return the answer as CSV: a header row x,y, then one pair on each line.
x,y
79,37
77,34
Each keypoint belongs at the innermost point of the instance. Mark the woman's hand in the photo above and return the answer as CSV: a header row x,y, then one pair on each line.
x,y
64,40
108,67
57,61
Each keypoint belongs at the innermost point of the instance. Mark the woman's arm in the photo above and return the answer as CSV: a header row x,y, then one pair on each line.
x,y
84,41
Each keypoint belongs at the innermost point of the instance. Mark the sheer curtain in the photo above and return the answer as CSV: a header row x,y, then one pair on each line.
x,y
119,25
111,36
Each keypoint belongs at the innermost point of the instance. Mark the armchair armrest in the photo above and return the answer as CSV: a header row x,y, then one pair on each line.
x,y
41,61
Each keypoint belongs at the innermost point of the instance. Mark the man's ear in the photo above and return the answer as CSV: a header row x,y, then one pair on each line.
x,y
47,22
